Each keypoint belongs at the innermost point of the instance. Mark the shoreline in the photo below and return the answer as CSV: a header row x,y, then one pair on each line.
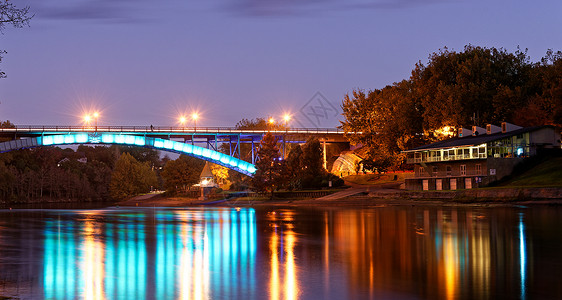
x,y
375,198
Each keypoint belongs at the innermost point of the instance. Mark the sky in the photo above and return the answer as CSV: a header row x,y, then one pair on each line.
x,y
145,62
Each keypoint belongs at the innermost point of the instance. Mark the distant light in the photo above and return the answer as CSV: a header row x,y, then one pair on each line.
x,y
519,151
287,118
182,120
195,116
87,118
96,115
271,120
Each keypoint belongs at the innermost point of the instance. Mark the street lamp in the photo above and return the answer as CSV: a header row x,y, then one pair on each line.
x,y
87,119
195,116
96,115
287,118
182,121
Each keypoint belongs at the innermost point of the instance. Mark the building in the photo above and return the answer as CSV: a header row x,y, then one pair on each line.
x,y
478,157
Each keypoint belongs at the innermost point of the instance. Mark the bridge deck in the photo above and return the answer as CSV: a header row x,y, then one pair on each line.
x,y
329,134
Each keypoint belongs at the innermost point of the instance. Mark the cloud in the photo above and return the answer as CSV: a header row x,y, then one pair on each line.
x,y
292,7
102,10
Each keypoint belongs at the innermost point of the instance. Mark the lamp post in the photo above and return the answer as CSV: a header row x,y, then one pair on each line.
x,y
182,122
287,118
96,115
195,116
87,120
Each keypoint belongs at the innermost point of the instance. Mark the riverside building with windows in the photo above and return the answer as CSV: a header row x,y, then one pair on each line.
x,y
477,157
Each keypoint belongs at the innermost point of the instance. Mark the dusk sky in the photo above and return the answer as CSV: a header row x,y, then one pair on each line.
x,y
143,62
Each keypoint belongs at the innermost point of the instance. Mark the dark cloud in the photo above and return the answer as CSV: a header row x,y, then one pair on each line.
x,y
291,7
102,10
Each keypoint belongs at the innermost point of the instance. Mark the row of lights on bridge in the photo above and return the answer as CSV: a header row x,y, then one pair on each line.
x,y
88,118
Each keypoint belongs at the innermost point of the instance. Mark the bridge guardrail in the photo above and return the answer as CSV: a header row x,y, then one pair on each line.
x,y
164,129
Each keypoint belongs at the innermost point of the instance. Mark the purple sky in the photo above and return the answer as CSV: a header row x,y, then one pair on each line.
x,y
144,62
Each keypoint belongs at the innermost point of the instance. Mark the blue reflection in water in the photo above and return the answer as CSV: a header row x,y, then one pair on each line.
x,y
196,252
523,254
60,252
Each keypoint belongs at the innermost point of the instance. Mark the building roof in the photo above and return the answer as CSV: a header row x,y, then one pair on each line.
x,y
206,171
474,140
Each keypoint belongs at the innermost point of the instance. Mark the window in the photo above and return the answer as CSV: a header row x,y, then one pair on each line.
x,y
425,185
463,170
466,153
420,172
478,169
449,171
439,184
434,169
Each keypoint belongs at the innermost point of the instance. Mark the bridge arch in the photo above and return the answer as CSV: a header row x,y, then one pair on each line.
x,y
209,155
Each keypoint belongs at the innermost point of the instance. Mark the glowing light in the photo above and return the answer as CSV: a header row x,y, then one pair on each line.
x,y
108,138
445,131
287,118
87,118
195,116
523,255
93,264
182,120
271,120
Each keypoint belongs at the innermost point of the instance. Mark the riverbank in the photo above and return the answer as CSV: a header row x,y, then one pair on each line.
x,y
376,196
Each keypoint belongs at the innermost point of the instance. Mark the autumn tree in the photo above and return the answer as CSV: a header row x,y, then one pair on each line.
x,y
476,86
182,173
385,122
269,166
466,88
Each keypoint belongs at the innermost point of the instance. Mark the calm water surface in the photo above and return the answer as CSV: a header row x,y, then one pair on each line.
x,y
265,253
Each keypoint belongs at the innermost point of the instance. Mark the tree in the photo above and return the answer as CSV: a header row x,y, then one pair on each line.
x,y
390,121
476,86
17,17
312,163
293,168
269,166
182,173
458,88
130,178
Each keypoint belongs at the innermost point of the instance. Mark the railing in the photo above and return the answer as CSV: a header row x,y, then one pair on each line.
x,y
417,160
457,173
165,129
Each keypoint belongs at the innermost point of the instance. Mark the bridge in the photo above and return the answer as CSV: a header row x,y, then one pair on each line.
x,y
199,142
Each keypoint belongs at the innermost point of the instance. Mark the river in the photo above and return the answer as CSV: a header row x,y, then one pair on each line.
x,y
394,252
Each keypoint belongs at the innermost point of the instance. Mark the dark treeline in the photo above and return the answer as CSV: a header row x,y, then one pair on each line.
x,y
52,174
477,86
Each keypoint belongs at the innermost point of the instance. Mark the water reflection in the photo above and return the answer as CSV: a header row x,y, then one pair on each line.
x,y
446,253
221,253
110,258
281,246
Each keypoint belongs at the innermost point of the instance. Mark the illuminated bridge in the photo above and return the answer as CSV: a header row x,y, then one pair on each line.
x,y
200,142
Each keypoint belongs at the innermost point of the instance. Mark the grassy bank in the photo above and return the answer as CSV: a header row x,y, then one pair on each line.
x,y
547,173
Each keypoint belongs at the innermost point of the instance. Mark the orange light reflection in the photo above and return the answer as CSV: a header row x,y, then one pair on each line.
x,y
93,264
